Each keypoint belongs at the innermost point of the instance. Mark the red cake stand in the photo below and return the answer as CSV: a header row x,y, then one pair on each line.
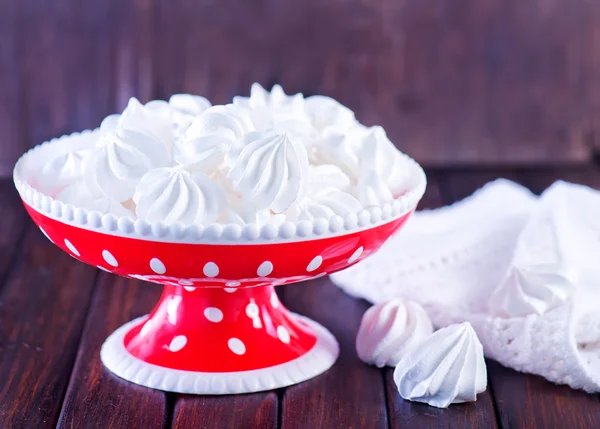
x,y
219,327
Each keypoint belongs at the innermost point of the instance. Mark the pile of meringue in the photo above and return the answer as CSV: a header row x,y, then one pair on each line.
x,y
262,159
438,368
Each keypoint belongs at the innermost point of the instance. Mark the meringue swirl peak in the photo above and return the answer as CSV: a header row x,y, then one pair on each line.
x,y
447,368
271,170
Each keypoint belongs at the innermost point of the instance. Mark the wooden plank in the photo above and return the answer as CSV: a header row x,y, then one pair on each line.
x,y
256,410
490,81
528,400
96,398
42,311
350,394
66,67
404,414
525,400
11,117
541,178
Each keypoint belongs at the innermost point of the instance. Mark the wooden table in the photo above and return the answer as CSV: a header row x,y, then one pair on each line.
x,y
55,313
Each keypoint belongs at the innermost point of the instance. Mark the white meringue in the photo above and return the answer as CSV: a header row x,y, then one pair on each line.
x,y
60,171
326,112
378,153
371,189
387,330
130,146
447,368
268,108
327,176
189,104
540,277
324,204
180,111
175,195
271,170
211,136
336,148
78,195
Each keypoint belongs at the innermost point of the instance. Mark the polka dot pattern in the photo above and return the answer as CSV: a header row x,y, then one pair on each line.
x,y
229,289
72,248
157,266
274,300
189,288
213,314
109,258
252,310
283,334
236,346
314,264
355,255
210,269
265,269
178,343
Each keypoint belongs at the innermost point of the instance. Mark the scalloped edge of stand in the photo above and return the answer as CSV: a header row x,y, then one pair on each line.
x,y
316,361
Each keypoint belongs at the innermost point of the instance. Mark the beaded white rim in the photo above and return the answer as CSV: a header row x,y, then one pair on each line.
x,y
213,233
317,360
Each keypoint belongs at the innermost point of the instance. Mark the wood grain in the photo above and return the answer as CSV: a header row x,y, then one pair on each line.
x,y
452,82
406,414
460,82
96,398
255,410
351,393
65,66
525,400
42,311
11,115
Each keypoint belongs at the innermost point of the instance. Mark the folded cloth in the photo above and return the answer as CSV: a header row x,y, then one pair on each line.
x,y
524,271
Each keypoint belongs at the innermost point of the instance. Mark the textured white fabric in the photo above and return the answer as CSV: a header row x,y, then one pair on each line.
x,y
451,260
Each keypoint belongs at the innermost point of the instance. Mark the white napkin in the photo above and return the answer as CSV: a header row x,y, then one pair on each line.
x,y
524,271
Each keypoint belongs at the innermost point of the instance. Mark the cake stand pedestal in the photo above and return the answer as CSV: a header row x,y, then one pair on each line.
x,y
217,340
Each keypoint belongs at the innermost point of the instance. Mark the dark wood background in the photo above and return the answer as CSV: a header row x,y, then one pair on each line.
x,y
453,81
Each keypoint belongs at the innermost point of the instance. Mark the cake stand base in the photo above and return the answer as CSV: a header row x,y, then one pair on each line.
x,y
214,341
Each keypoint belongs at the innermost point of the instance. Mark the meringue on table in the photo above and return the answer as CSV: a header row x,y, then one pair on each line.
x,y
447,368
387,330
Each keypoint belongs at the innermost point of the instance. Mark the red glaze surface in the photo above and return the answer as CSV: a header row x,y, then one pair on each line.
x,y
210,318
212,330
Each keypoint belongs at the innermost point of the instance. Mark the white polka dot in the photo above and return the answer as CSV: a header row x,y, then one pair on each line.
x,y
232,283
46,234
252,310
237,346
189,288
210,269
103,269
283,334
356,255
185,282
109,258
274,300
146,328
315,263
229,289
178,343
265,269
213,314
71,247
157,266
